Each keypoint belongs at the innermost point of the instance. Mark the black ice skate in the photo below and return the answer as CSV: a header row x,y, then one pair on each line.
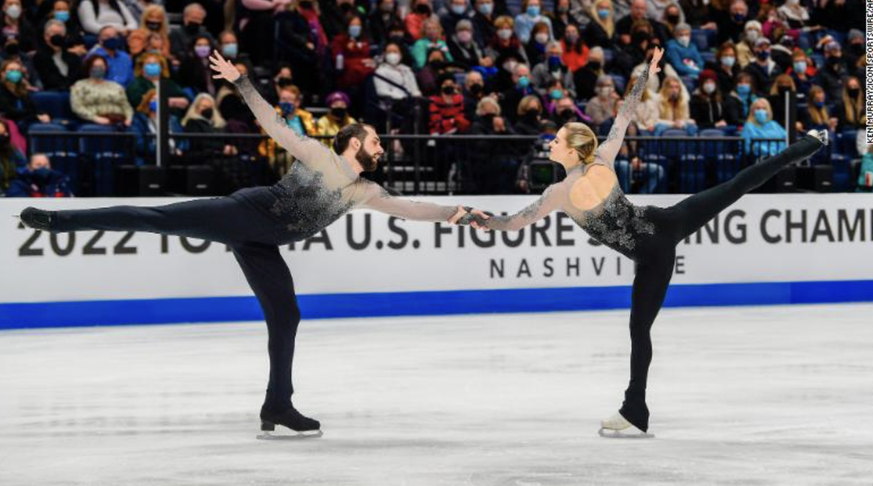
x,y
36,218
305,427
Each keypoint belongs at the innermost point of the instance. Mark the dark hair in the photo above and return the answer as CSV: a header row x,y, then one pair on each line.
x,y
347,133
89,63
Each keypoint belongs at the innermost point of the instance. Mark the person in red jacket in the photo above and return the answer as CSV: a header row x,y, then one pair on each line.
x,y
351,54
447,109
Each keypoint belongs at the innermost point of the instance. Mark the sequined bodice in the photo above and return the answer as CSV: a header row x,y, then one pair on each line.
x,y
616,222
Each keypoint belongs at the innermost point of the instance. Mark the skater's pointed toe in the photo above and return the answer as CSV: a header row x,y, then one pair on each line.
x,y
821,135
36,218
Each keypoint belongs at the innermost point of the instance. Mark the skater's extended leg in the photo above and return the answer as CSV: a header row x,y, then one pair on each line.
x,y
222,219
649,289
696,210
271,281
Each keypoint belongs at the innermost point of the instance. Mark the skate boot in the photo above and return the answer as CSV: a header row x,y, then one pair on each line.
x,y
819,134
36,218
305,427
617,427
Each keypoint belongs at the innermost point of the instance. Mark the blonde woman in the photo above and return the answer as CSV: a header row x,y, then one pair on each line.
x,y
761,127
601,29
203,117
674,110
592,197
154,21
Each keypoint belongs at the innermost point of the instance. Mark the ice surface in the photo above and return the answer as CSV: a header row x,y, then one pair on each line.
x,y
745,396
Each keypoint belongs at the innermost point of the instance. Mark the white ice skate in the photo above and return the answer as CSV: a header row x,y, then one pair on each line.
x,y
819,134
617,427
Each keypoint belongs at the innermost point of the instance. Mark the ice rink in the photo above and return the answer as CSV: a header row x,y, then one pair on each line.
x,y
742,395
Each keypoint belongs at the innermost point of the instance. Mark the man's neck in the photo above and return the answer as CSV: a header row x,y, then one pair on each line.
x,y
353,162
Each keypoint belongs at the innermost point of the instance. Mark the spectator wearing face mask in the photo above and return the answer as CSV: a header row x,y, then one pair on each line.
x,y
464,50
16,25
422,10
602,28
682,54
746,46
483,22
149,69
474,91
119,63
154,21
57,68
560,18
337,117
739,102
96,15
763,70
521,87
849,108
726,68
353,47
39,180
394,70
202,117
447,109
602,106
566,111
832,75
707,103
586,77
674,109
551,69
536,46
145,127
228,44
453,12
15,101
801,73
11,158
193,16
299,120
732,24
531,15
528,114
100,100
575,52
195,72
382,19
432,39
491,167
760,126
505,45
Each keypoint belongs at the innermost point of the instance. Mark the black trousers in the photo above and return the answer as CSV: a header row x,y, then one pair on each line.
x,y
242,221
657,253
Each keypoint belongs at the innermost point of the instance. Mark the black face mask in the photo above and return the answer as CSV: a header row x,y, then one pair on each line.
x,y
4,140
834,62
422,9
477,89
567,116
153,26
487,119
284,81
306,5
595,65
12,50
57,40
853,92
438,65
192,28
339,113
531,114
398,39
207,113
345,8
448,90
673,19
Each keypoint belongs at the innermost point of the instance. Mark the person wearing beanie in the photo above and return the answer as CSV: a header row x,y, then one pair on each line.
x,y
337,117
764,70
746,46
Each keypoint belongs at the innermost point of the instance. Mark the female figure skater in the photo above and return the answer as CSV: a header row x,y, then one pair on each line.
x,y
591,196
320,187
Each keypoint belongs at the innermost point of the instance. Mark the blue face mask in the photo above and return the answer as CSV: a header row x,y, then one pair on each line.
x,y
354,31
554,62
13,76
486,8
286,107
728,61
459,9
557,94
800,67
533,10
62,15
744,89
153,106
763,55
111,43
819,104
230,50
523,82
761,116
152,69
42,173
603,13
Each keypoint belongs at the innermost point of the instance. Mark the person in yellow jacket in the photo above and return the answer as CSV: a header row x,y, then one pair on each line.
x,y
298,119
338,117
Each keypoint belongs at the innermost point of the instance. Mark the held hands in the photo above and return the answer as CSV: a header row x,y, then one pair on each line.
x,y
223,67
469,216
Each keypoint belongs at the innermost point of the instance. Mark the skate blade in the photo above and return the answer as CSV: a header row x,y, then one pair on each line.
x,y
633,433
266,435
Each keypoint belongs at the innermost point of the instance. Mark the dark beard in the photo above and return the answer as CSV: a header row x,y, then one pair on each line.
x,y
366,159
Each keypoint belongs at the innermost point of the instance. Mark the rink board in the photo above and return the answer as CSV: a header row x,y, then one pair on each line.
x,y
765,249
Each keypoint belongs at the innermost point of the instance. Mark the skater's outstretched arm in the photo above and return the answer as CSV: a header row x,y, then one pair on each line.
x,y
607,151
307,150
552,199
378,199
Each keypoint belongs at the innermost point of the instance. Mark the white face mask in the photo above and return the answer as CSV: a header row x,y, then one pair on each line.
x,y
504,33
752,35
542,38
685,40
604,91
709,88
465,36
393,58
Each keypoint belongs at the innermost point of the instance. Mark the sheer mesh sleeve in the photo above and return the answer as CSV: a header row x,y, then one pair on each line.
x,y
551,200
607,151
307,150
378,199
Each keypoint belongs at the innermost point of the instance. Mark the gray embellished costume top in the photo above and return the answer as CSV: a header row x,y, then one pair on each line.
x,y
615,222
321,185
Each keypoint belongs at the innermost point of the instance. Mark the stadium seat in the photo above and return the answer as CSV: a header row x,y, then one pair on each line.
x,y
56,104
104,154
